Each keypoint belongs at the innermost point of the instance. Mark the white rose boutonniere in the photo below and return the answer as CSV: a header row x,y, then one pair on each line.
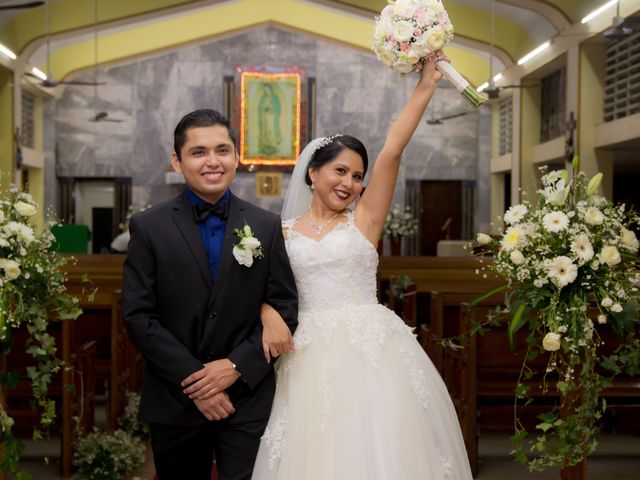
x,y
249,247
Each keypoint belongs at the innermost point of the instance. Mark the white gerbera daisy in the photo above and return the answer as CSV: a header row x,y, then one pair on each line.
x,y
555,222
512,237
582,248
562,271
515,214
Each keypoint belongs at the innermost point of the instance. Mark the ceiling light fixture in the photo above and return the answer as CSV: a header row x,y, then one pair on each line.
x,y
598,11
534,52
7,52
39,73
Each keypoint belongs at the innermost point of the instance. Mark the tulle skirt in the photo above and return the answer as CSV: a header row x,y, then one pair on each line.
x,y
360,400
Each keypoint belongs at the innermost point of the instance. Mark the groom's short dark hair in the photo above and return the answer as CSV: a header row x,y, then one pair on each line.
x,y
204,117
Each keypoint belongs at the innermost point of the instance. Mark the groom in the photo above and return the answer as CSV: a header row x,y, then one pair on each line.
x,y
192,310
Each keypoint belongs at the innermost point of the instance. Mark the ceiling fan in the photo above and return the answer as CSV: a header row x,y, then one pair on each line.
x,y
439,120
49,82
621,28
101,116
104,117
21,6
492,90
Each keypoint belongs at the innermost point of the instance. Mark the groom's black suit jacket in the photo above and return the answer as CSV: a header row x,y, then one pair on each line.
x,y
179,318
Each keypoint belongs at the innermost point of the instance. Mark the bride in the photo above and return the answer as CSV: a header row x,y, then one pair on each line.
x,y
357,399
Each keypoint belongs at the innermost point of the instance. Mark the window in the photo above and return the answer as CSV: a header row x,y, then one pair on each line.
x,y
505,126
622,78
552,105
27,129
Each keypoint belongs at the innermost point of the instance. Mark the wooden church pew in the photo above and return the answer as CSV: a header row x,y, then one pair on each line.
x,y
482,377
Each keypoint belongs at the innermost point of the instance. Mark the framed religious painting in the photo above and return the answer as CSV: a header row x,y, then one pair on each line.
x,y
269,109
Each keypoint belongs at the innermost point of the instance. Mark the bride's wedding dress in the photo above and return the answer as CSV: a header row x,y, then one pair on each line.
x,y
358,399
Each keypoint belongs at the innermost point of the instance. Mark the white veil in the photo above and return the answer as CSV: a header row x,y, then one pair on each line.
x,y
299,195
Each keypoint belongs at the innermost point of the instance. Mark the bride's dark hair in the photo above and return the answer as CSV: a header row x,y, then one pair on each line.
x,y
329,152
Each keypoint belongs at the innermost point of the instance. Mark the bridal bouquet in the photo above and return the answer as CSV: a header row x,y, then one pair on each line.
x,y
570,262
407,31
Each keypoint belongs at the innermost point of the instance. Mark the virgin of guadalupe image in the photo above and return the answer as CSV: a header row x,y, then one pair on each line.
x,y
269,109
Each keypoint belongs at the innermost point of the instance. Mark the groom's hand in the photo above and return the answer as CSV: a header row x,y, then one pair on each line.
x,y
217,407
213,378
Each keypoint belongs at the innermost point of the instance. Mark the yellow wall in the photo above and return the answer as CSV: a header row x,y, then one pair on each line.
x,y
6,128
36,175
591,114
529,137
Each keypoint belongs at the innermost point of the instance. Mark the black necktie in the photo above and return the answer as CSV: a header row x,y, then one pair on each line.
x,y
202,211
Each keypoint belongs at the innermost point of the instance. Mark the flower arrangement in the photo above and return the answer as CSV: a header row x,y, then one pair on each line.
x,y
570,254
400,223
407,31
32,291
129,421
108,455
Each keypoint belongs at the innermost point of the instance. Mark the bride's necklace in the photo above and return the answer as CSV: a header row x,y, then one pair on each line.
x,y
319,227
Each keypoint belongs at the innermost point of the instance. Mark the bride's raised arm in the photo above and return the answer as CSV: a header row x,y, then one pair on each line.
x,y
372,208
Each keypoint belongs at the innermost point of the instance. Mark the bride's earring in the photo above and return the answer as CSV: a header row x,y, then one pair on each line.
x,y
313,185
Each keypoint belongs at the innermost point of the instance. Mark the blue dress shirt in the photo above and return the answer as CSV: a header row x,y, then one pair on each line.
x,y
212,231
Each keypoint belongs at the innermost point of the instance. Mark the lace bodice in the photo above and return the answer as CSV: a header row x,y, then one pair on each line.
x,y
338,270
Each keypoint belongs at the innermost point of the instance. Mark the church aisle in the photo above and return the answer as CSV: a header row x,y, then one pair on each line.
x,y
617,458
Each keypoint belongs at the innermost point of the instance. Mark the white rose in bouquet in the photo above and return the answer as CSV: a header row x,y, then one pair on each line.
x,y
483,239
11,268
517,257
629,240
25,209
593,216
610,255
437,39
551,342
403,31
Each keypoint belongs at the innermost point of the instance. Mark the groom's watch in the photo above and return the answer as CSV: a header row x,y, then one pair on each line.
x,y
235,369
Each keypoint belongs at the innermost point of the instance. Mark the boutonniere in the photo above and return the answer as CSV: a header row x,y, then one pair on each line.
x,y
248,248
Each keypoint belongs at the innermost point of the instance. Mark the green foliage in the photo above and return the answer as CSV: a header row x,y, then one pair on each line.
x,y
399,285
32,289
129,421
108,456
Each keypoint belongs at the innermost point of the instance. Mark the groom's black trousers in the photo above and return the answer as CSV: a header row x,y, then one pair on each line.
x,y
187,452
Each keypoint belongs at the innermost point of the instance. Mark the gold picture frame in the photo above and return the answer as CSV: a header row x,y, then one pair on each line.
x,y
270,126
268,184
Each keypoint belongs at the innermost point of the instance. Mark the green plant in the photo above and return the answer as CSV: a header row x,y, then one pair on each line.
x,y
32,292
399,285
400,223
563,257
108,455
129,421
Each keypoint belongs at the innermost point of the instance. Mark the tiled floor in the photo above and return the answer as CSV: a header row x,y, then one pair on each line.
x,y
617,458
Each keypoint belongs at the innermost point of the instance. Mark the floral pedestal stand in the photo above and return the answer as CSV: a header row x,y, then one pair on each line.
x,y
576,472
396,246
